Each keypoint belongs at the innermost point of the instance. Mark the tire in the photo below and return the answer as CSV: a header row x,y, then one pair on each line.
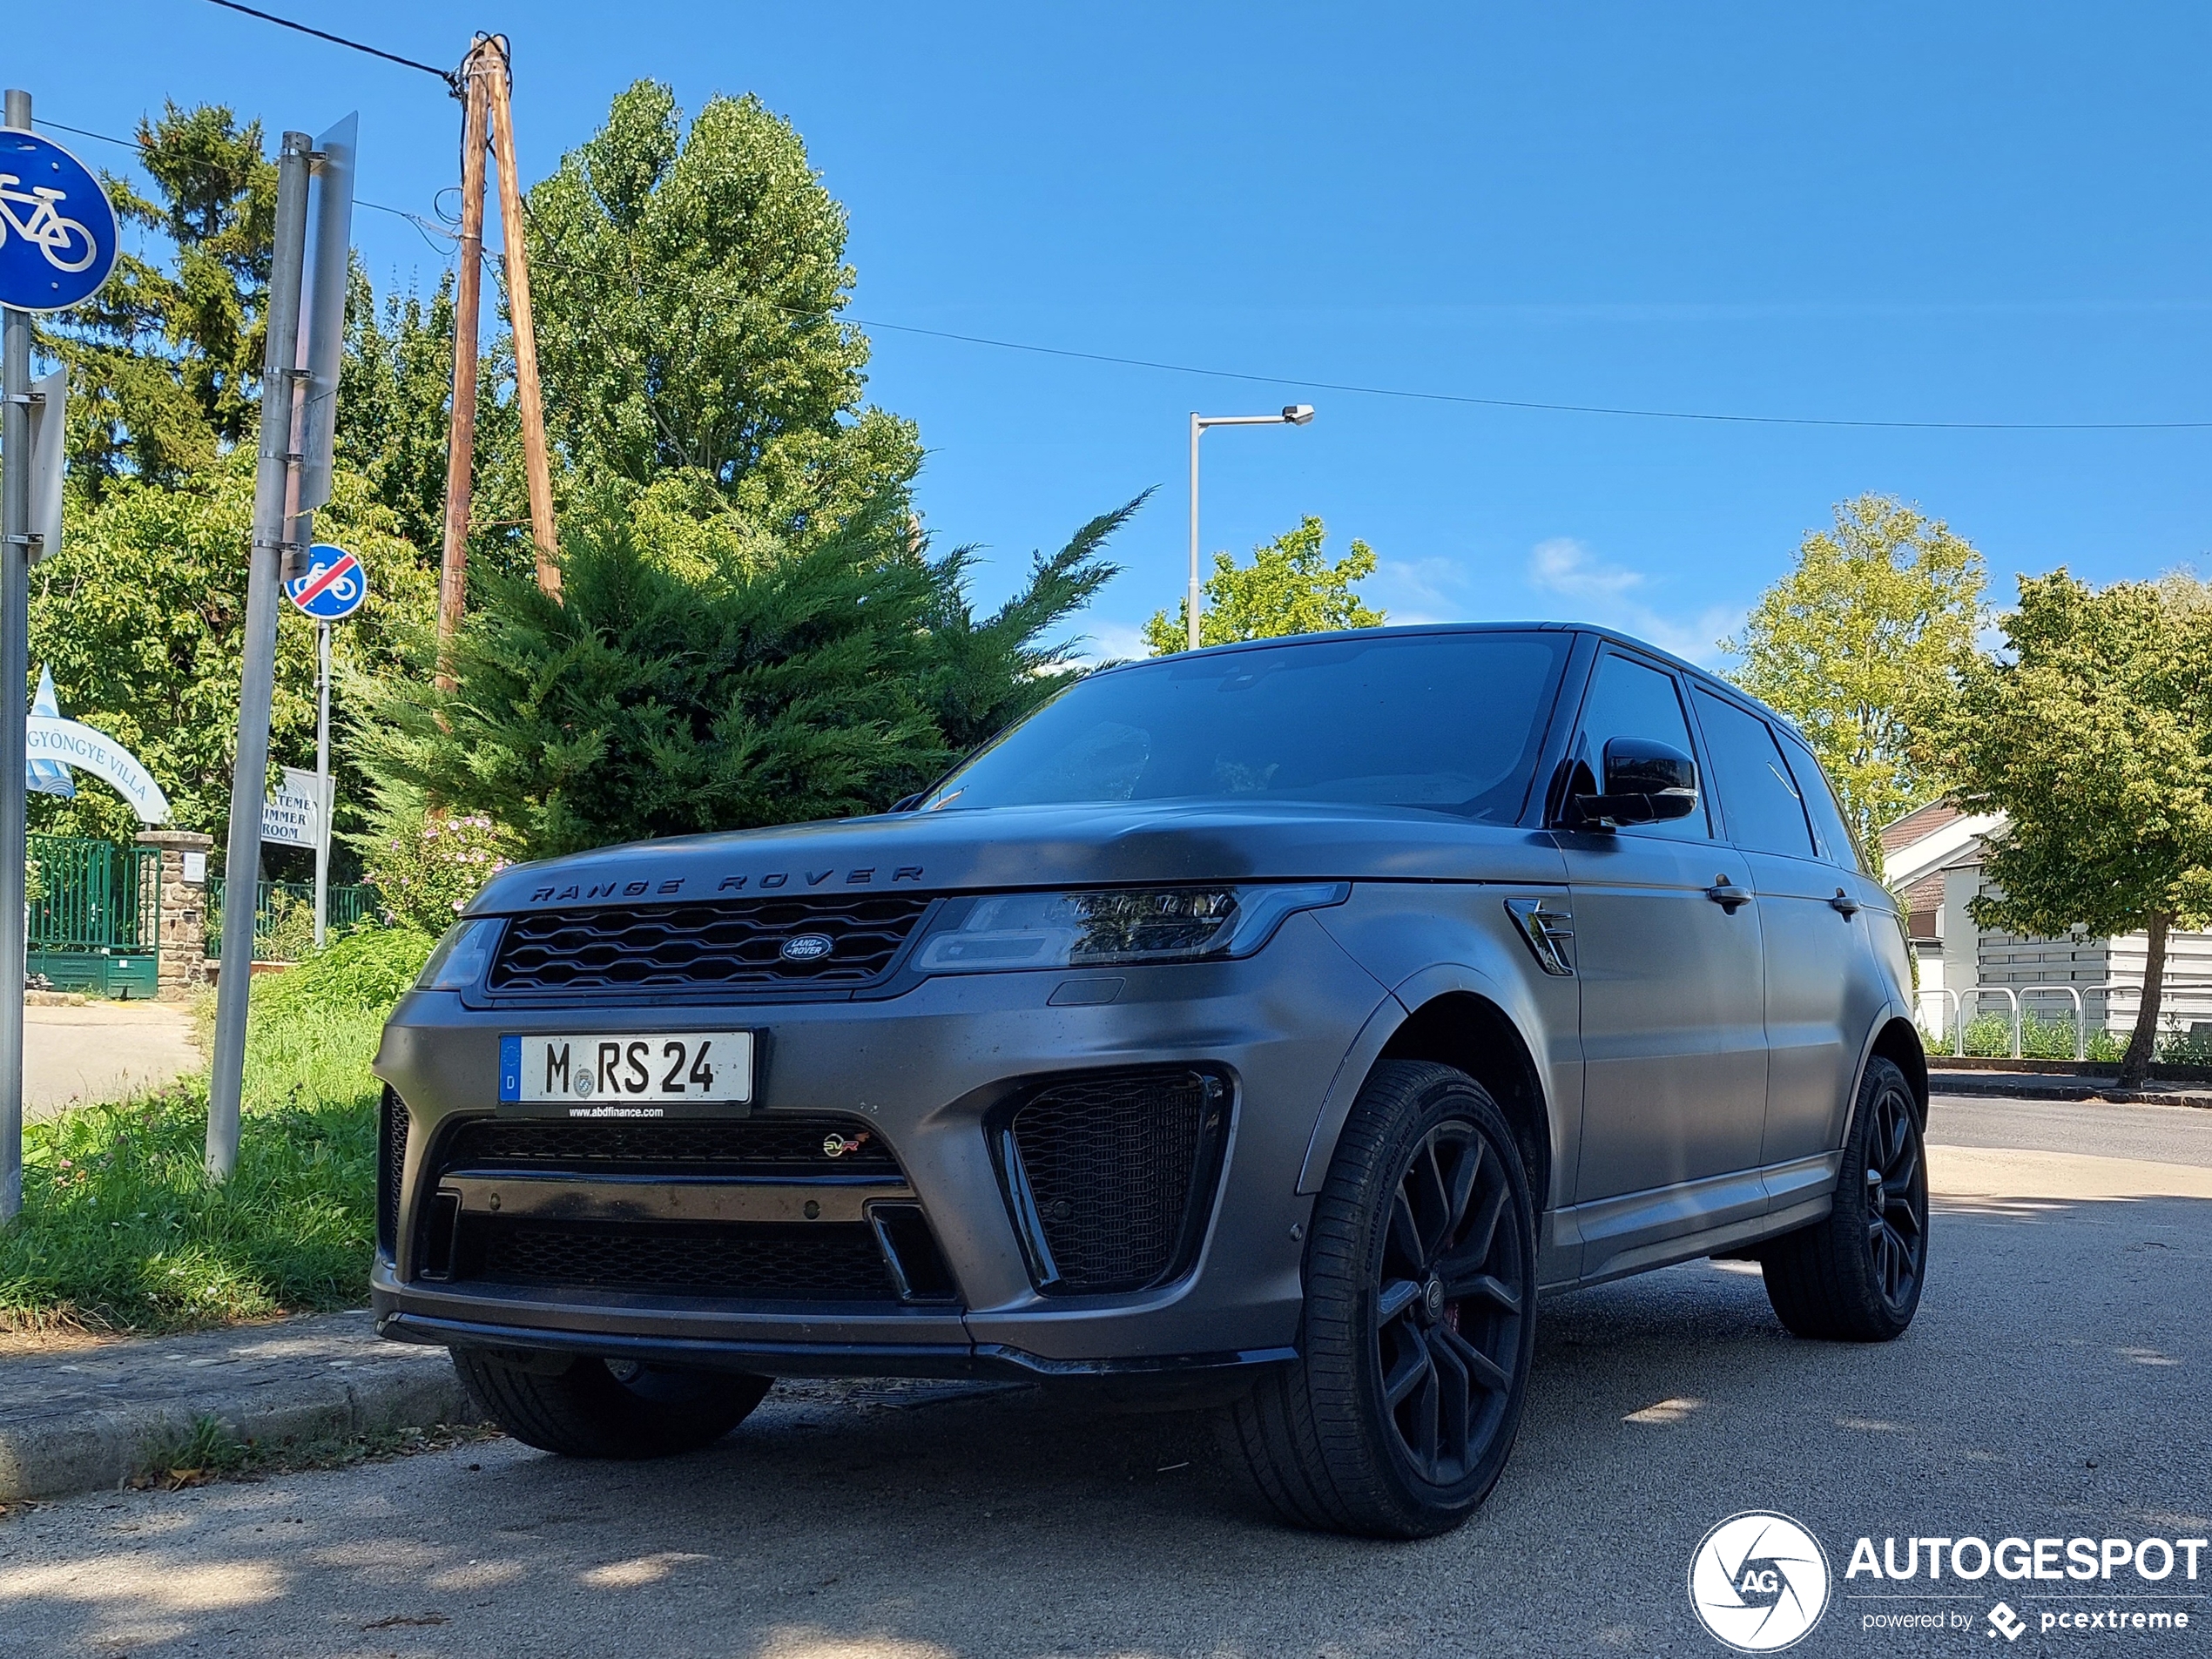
x,y
1421,1283
1857,1275
607,1408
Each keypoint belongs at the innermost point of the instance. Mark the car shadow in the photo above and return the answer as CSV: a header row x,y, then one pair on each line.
x,y
927,1519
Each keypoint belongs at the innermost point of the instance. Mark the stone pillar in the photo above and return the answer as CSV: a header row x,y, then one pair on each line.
x,y
185,970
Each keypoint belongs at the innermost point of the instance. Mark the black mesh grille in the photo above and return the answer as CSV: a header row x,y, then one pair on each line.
x,y
832,1261
391,1162
826,1262
735,945
784,1146
1119,1167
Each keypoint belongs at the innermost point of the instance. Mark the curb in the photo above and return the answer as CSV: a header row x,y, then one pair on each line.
x,y
271,1384
2095,1071
2044,1086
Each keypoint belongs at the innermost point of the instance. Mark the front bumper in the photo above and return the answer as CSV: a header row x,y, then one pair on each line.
x,y
926,1070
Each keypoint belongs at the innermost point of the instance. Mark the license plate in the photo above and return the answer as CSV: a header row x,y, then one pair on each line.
x,y
635,1075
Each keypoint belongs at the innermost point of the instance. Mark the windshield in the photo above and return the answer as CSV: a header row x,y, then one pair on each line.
x,y
1447,722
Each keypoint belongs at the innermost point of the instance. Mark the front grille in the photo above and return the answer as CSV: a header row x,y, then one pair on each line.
x,y
742,1146
729,946
824,1262
1115,1172
391,1162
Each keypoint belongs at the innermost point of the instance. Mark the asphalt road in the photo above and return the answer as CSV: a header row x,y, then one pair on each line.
x,y
2055,1384
72,1054
2164,1134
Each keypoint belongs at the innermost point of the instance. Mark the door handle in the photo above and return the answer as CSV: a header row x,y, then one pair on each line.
x,y
1725,894
1845,905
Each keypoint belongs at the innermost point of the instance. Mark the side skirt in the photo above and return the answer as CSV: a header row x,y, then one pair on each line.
x,y
1638,1231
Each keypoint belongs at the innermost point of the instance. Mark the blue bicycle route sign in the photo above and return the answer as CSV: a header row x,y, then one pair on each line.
x,y
334,586
56,229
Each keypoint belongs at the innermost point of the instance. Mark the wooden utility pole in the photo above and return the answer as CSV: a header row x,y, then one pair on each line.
x,y
460,432
528,403
491,122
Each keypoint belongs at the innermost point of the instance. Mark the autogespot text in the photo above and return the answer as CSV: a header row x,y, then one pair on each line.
x,y
2083,1559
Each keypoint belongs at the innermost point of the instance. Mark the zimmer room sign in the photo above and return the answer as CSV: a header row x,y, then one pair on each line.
x,y
292,815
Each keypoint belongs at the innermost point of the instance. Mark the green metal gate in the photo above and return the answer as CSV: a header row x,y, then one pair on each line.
x,y
284,916
97,926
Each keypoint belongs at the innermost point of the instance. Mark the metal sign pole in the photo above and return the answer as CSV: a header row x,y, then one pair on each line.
x,y
322,781
272,500
15,674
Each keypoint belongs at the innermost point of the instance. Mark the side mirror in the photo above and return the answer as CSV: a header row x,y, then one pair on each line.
x,y
1646,782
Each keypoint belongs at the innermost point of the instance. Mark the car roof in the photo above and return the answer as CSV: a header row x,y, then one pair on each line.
x,y
1704,676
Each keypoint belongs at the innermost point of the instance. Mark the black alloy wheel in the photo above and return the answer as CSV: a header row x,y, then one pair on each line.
x,y
1855,1275
1897,1201
1397,1417
1448,1308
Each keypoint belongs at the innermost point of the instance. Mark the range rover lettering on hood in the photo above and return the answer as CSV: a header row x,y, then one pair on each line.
x,y
861,876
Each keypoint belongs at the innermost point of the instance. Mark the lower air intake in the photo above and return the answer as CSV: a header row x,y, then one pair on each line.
x,y
1110,1175
391,1163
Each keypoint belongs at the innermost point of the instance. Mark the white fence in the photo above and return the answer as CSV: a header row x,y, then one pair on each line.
x,y
2183,999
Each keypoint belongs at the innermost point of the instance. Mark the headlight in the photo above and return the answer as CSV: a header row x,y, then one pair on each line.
x,y
460,957
1129,928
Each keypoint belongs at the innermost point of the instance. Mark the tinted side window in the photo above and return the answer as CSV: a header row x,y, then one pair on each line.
x,y
1838,844
1630,699
1766,812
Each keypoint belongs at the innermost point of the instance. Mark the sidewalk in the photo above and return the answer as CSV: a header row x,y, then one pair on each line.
x,y
78,1418
1948,1076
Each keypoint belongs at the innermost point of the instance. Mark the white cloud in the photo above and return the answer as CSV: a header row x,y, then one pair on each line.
x,y
1109,642
1564,565
1431,585
1614,595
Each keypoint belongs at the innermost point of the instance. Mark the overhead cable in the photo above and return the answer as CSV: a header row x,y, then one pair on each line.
x,y
451,77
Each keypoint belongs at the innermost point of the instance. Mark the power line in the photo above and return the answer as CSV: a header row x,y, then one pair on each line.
x,y
428,229
451,80
1548,409
421,224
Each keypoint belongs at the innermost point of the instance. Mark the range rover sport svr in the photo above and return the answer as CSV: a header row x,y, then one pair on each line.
x,y
1278,1023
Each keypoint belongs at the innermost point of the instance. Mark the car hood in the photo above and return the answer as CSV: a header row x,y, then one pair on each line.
x,y
1037,847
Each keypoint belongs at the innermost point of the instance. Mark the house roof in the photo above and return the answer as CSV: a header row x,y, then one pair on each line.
x,y
1937,836
1919,823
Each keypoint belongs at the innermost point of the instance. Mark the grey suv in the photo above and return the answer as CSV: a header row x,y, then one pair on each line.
x,y
1275,1023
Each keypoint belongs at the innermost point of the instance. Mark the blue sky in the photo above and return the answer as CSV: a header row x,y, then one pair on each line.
x,y
1971,213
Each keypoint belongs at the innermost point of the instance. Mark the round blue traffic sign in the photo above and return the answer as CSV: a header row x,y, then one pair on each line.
x,y
334,586
56,229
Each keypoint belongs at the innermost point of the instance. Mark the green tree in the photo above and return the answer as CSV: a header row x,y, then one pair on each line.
x,y
141,615
687,287
1289,587
2093,734
1862,645
164,362
708,687
395,388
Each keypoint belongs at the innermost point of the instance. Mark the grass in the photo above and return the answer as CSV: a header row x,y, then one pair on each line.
x,y
121,1230
2047,1037
205,1450
2042,1037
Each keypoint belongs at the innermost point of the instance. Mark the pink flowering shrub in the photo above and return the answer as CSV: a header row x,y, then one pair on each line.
x,y
426,872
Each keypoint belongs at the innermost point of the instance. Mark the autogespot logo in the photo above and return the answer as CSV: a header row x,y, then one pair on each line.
x,y
1759,1582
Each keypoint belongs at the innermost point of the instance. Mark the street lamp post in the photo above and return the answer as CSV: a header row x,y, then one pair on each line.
x,y
1289,414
